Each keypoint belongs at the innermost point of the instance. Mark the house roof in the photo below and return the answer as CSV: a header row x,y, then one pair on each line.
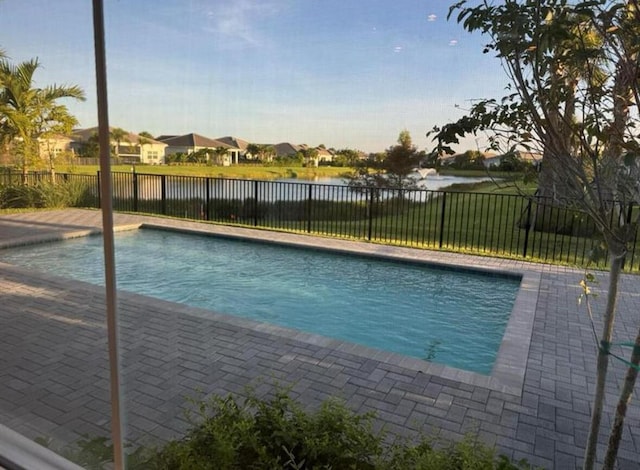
x,y
284,149
194,140
324,152
234,142
164,137
83,135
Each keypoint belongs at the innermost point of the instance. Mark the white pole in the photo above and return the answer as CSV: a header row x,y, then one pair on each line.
x,y
107,229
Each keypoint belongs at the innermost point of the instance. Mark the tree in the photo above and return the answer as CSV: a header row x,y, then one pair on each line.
x,y
28,114
146,134
142,141
584,122
91,148
118,135
219,153
349,156
469,160
390,169
309,156
253,150
262,152
267,153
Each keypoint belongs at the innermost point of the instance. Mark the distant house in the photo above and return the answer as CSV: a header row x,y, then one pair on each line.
x,y
191,143
488,158
535,158
133,148
491,159
325,155
53,146
237,147
285,149
531,157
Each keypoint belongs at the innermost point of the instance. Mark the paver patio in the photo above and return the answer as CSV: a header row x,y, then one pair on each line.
x,y
54,375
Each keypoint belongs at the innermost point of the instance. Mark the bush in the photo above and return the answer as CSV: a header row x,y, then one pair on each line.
x,y
228,434
276,433
44,194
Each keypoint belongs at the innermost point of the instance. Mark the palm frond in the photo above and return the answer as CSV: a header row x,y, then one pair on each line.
x,y
54,92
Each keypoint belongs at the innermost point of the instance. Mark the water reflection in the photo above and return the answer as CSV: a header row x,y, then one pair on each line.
x,y
163,187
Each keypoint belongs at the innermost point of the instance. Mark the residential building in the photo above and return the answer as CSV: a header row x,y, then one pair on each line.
x,y
192,143
237,147
286,149
133,148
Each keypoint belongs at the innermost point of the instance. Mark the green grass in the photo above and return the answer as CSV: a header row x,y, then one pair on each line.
x,y
477,223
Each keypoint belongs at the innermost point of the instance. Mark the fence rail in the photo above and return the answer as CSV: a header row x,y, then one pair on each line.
x,y
482,223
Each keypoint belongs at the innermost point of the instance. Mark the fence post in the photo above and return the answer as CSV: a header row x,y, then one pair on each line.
x,y
371,191
135,190
255,203
444,207
99,195
207,191
163,193
309,202
527,227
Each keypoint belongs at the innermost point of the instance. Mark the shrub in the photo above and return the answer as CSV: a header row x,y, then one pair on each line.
x,y
230,434
45,194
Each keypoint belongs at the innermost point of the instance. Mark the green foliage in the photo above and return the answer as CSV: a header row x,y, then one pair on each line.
x,y
275,433
391,169
232,434
468,454
45,194
469,160
28,113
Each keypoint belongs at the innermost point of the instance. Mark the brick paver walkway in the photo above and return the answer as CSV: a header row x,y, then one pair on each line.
x,y
54,376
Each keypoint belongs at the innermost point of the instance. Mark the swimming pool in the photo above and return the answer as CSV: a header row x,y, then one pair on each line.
x,y
451,317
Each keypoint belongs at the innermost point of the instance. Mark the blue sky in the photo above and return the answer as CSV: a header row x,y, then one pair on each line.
x,y
344,73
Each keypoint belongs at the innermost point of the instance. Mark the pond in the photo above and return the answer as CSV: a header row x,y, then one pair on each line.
x,y
159,187
431,182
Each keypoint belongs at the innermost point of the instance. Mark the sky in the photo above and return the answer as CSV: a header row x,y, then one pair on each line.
x,y
343,73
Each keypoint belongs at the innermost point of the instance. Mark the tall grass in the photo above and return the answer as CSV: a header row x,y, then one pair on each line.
x,y
45,194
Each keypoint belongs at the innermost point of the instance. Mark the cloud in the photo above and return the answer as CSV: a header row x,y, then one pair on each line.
x,y
397,49
431,17
453,42
236,23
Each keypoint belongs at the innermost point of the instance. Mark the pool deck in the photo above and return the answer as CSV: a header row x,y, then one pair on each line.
x,y
535,404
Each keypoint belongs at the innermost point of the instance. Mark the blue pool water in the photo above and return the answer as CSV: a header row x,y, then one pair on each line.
x,y
451,317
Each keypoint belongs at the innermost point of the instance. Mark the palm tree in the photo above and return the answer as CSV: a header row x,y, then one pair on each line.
x,y
219,154
254,150
118,134
28,113
146,134
142,141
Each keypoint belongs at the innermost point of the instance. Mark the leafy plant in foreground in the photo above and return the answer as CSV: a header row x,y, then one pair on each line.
x,y
228,434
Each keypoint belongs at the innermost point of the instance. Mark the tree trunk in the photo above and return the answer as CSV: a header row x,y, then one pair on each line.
x,y
621,409
603,361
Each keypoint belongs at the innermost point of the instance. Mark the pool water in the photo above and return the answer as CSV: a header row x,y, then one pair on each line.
x,y
452,317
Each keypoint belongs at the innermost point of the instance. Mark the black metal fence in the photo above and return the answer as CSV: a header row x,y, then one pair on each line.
x,y
480,223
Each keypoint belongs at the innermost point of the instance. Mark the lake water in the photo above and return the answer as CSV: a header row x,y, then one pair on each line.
x,y
430,183
153,187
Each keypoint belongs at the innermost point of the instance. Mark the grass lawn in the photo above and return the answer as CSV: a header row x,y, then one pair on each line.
x,y
473,223
234,171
